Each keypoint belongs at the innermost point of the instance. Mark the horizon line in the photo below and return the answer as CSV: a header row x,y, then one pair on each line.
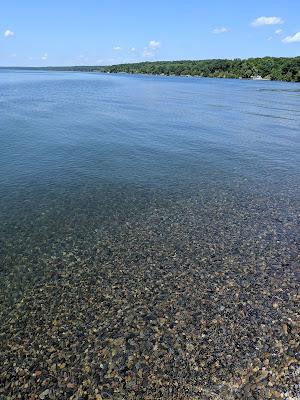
x,y
139,62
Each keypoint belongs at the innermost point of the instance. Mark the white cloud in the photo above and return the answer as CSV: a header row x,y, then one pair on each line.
x,y
133,49
117,48
292,39
8,33
44,56
153,44
270,38
222,29
278,31
151,49
261,21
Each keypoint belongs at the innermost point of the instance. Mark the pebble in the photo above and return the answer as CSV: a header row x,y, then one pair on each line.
x,y
44,394
187,297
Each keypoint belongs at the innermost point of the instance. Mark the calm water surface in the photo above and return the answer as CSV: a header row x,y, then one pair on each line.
x,y
66,128
149,236
79,147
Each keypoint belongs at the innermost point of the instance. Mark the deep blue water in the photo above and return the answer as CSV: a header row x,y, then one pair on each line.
x,y
78,149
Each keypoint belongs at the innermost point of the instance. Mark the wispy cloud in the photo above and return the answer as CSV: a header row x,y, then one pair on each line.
x,y
292,39
278,31
148,53
133,49
151,49
219,30
117,48
83,58
44,56
8,33
153,44
262,21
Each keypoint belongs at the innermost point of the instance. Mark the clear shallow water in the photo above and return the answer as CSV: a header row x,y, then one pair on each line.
x,y
172,180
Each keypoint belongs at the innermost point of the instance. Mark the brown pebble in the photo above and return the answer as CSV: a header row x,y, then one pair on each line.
x,y
285,329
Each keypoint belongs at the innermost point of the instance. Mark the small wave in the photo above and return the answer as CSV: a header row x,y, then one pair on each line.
x,y
269,116
279,90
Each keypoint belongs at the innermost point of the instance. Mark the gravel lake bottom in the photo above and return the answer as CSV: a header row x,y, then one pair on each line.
x,y
161,265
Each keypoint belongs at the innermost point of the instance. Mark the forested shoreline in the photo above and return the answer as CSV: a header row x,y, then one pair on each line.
x,y
273,68
285,69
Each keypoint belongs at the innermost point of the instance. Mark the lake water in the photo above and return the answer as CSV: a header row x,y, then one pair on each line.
x,y
155,191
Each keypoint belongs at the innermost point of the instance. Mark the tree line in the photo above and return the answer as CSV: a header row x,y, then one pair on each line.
x,y
283,68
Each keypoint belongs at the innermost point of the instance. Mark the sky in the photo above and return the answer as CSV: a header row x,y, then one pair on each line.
x,y
96,32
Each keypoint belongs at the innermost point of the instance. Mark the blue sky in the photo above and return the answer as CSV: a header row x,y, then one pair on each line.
x,y
96,32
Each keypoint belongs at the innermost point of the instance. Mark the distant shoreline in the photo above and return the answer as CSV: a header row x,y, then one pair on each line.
x,y
267,68
46,69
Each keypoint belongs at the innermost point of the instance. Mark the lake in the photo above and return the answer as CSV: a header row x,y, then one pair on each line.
x,y
149,235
